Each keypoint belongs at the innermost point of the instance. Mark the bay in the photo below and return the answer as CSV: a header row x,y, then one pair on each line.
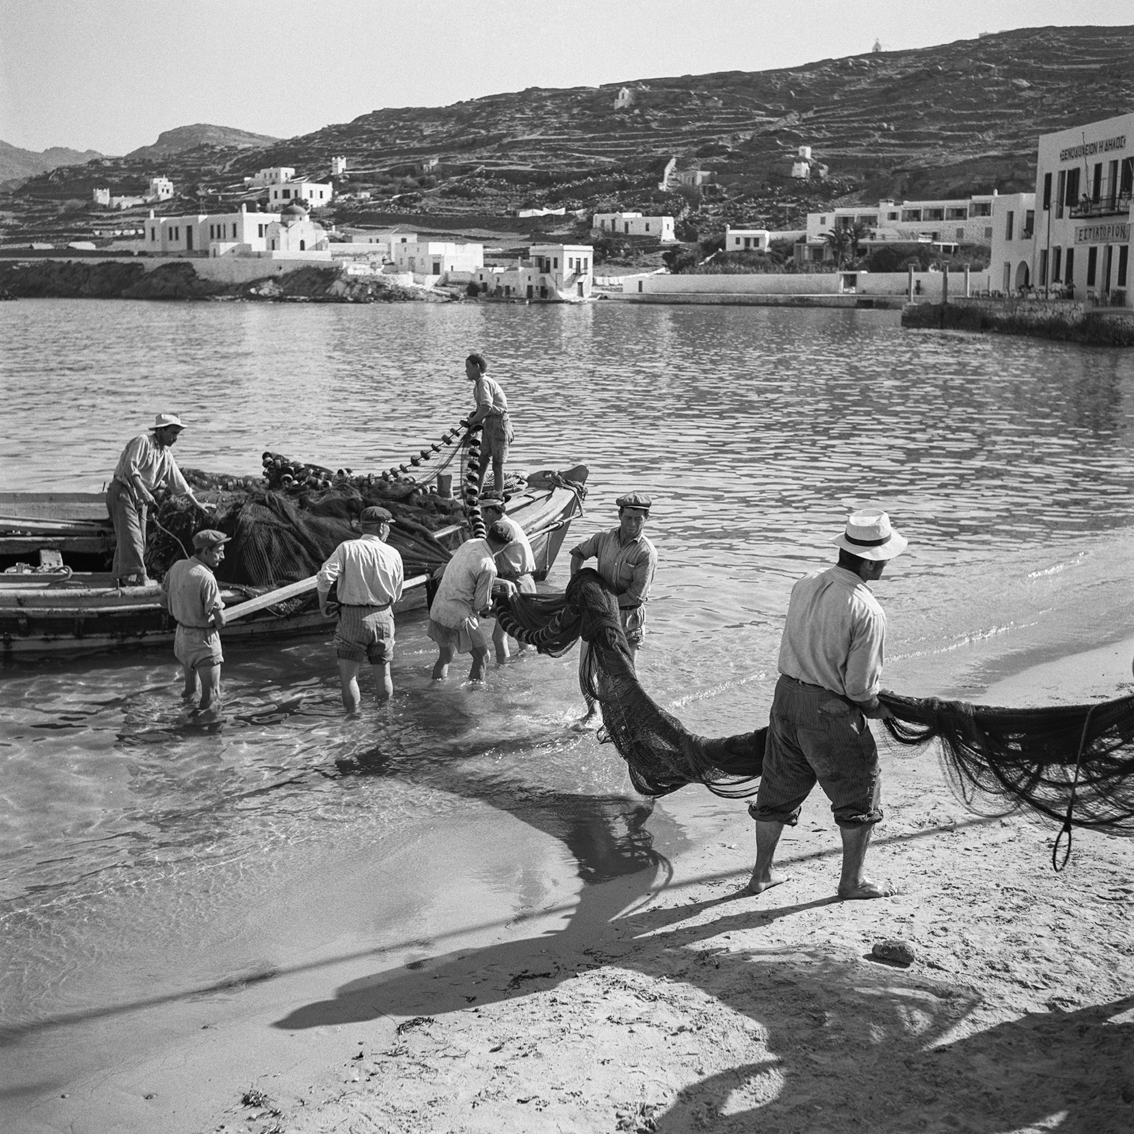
x,y
143,859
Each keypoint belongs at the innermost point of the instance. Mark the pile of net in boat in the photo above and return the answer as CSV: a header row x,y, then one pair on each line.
x,y
1074,763
285,524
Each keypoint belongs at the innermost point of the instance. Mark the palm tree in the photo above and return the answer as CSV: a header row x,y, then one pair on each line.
x,y
843,240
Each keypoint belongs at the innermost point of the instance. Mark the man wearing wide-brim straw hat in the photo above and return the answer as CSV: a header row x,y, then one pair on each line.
x,y
146,464
830,675
626,560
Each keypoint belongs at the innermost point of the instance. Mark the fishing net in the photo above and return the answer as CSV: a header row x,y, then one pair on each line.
x,y
1073,763
285,524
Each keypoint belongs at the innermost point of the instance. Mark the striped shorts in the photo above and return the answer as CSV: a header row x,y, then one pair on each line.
x,y
365,633
816,737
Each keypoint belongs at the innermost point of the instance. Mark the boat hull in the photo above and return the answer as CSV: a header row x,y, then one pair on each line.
x,y
84,613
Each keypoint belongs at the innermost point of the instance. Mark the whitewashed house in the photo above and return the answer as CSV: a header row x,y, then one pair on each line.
x,y
634,224
161,189
314,194
276,175
437,261
746,239
549,273
1013,229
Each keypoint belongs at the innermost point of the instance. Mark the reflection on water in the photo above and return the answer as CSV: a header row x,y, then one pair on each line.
x,y
1006,461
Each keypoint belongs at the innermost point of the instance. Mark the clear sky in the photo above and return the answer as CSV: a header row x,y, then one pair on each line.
x,y
110,75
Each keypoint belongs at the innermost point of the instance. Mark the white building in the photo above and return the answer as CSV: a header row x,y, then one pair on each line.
x,y
624,99
746,239
338,166
277,175
634,224
437,259
551,272
101,197
236,234
801,167
161,189
1085,211
314,194
1010,267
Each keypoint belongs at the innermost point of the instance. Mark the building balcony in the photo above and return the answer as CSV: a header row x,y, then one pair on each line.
x,y
1119,206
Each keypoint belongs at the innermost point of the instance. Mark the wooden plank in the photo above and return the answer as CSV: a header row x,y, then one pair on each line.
x,y
304,586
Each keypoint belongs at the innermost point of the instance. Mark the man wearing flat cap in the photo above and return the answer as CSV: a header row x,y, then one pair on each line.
x,y
146,464
626,561
192,596
515,562
369,575
830,674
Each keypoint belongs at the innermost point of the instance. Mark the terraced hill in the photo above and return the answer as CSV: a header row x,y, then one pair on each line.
x,y
963,117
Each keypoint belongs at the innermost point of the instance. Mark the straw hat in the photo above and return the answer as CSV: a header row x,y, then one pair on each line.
x,y
870,536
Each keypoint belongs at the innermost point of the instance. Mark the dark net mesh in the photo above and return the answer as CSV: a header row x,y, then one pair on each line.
x,y
1074,763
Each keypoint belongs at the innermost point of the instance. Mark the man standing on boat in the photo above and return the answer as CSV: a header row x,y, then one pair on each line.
x,y
515,563
146,464
830,674
463,598
491,410
370,575
626,561
192,596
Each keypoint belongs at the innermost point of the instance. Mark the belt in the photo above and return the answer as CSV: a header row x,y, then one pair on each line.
x,y
367,605
190,626
808,685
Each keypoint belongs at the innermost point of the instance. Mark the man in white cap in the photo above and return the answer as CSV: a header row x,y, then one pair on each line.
x,y
516,563
626,560
370,575
830,674
192,596
145,465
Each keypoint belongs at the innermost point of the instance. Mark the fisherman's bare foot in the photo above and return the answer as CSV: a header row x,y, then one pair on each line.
x,y
757,884
866,889
591,721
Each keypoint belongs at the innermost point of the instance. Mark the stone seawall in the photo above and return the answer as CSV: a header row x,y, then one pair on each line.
x,y
132,279
1046,319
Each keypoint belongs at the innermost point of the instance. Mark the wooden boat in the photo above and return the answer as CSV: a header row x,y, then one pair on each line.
x,y
53,608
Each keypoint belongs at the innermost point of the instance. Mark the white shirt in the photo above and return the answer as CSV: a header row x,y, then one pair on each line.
x,y
466,586
371,570
834,634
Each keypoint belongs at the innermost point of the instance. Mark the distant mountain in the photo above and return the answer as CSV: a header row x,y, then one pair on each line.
x,y
201,134
16,163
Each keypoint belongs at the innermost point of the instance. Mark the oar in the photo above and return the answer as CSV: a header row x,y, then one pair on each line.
x,y
304,586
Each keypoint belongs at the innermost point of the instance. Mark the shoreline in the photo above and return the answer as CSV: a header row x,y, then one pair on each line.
x,y
666,999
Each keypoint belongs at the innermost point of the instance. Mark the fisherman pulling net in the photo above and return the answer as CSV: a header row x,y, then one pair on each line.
x,y
1073,763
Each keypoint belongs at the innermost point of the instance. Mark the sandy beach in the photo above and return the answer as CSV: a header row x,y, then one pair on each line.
x,y
667,999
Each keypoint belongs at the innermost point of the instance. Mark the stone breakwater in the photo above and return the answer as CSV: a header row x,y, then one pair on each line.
x,y
113,279
1046,319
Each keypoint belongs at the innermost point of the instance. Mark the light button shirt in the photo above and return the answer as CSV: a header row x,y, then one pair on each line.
x,y
146,463
628,570
190,593
834,634
369,571
489,397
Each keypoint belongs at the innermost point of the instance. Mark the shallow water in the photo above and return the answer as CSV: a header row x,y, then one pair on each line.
x,y
144,856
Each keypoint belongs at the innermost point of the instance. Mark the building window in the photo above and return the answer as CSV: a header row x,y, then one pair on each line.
x,y
823,220
1056,258
1042,267
891,216
555,264
647,226
1008,225
1092,264
1060,193
1123,257
1096,182
1029,224
1069,269
988,233
153,234
1047,191
1073,187
960,234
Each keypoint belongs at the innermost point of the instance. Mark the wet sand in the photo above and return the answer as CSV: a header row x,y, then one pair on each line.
x,y
667,999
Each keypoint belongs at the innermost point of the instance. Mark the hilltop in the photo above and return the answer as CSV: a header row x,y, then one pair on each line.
x,y
939,121
16,163
201,134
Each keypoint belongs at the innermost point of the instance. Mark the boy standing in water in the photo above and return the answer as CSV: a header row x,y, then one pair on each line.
x,y
192,596
491,410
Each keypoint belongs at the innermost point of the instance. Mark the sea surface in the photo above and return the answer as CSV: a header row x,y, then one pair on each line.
x,y
144,859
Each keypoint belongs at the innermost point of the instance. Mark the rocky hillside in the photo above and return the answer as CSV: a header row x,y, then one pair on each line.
x,y
190,137
947,120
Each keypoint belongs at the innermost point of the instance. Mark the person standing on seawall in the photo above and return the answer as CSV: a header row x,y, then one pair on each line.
x,y
192,596
830,667
145,465
370,576
491,411
626,561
